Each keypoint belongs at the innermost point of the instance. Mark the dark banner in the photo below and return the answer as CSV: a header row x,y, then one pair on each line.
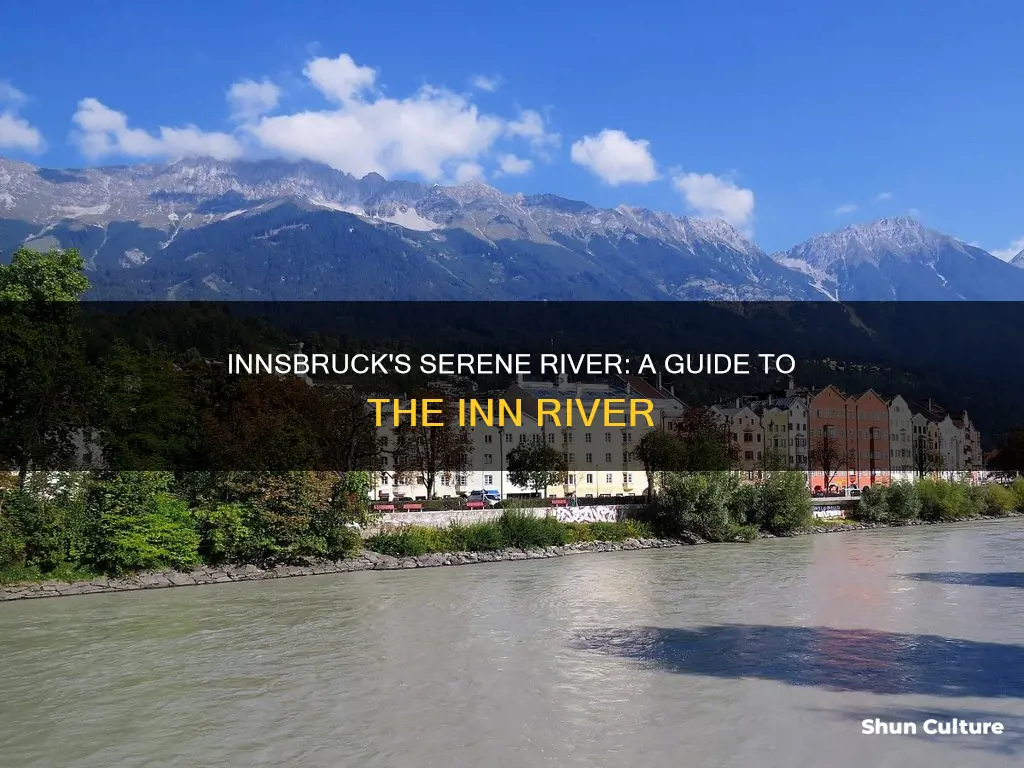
x,y
423,388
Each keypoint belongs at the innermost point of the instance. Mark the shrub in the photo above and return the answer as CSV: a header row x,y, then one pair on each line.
x,y
411,541
699,503
474,537
139,525
744,503
942,500
783,503
872,506
522,529
12,545
1000,500
54,529
226,535
580,532
1017,487
903,502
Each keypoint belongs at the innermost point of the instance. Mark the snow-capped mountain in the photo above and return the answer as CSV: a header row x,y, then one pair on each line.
x,y
162,216
1018,260
291,230
901,259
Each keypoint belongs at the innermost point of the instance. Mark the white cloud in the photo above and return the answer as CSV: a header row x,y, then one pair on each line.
x,y
1008,253
489,83
530,126
16,133
714,197
249,100
883,196
432,133
914,213
512,165
102,131
468,172
615,158
845,208
340,80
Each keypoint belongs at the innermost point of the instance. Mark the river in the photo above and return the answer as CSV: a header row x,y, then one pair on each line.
x,y
768,654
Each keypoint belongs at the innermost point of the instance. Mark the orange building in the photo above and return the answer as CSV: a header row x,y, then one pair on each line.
x,y
849,437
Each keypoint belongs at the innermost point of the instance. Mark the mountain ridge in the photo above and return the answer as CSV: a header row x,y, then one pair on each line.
x,y
159,223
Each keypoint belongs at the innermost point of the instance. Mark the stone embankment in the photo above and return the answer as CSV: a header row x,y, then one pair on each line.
x,y
366,561
373,561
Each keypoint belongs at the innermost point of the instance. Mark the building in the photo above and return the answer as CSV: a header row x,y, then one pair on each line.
x,y
849,439
784,423
600,459
901,438
744,425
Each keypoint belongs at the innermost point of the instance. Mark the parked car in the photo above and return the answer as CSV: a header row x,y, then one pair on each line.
x,y
490,498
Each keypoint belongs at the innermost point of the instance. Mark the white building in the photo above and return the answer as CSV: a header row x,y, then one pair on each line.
x,y
901,439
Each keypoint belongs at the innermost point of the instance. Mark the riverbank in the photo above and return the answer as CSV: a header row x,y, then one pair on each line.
x,y
374,561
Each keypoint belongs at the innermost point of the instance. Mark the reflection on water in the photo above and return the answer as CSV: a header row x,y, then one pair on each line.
x,y
768,654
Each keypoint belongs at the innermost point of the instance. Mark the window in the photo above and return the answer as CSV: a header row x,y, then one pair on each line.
x,y
608,477
508,437
522,438
461,478
608,458
625,457
488,438
587,437
607,437
748,455
488,479
629,478
551,437
590,458
748,437
488,458
572,458
590,479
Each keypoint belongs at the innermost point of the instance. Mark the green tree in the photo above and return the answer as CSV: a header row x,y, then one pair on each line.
x,y
43,277
536,464
138,524
707,444
659,452
422,453
44,381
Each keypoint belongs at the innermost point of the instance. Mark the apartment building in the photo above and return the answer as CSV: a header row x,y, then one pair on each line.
x,y
744,425
784,423
901,438
600,459
855,431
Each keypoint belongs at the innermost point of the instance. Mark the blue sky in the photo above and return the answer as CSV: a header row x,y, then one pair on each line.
x,y
786,118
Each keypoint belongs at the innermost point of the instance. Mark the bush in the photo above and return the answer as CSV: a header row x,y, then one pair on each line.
x,y
139,525
903,502
1017,487
783,503
412,541
474,537
1000,500
698,503
743,508
944,501
525,531
12,545
55,532
873,505
227,536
